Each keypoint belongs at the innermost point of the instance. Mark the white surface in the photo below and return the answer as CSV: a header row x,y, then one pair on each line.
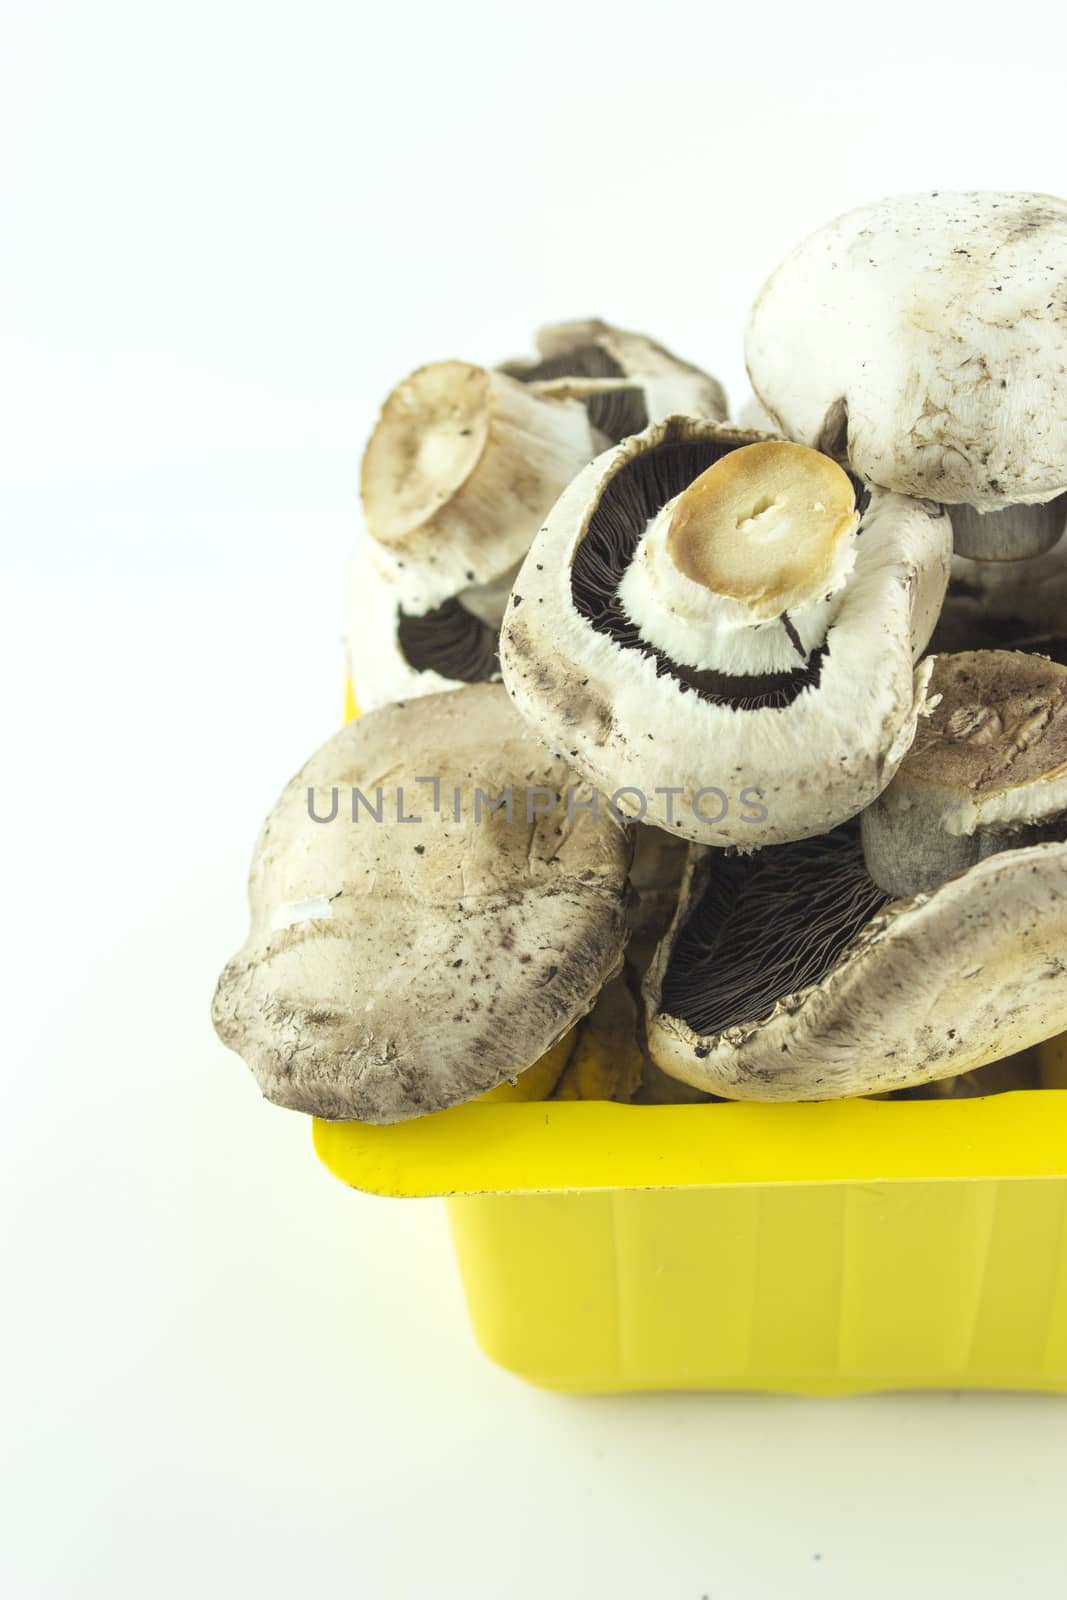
x,y
225,230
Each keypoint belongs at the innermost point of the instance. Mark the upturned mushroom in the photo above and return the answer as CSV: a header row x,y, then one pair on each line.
x,y
625,379
433,907
923,942
463,465
721,638
923,340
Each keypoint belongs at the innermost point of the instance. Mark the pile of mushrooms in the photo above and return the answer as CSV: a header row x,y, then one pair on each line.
x,y
698,760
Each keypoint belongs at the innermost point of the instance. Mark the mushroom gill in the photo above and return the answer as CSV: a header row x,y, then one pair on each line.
x,y
451,642
766,926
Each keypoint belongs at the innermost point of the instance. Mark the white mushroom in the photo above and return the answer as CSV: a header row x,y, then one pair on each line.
x,y
458,473
394,966
923,339
460,470
398,655
987,772
462,466
593,351
727,653
788,975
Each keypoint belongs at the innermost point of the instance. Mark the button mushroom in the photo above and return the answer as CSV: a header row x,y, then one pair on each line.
x,y
626,380
922,339
716,634
433,906
987,772
817,969
459,471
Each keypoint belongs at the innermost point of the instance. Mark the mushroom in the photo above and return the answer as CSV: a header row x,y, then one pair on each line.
x,y
626,380
788,975
461,467
411,946
717,635
924,941
987,772
395,654
922,340
996,603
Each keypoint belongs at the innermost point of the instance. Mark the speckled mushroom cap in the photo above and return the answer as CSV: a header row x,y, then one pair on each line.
x,y
789,976
924,337
396,967
987,771
817,741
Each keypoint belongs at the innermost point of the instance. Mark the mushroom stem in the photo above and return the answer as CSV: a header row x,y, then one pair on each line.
x,y
740,571
987,772
908,850
1014,533
459,472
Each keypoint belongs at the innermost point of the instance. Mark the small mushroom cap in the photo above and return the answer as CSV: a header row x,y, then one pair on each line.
x,y
924,337
458,473
933,986
438,426
817,744
393,968
592,348
992,753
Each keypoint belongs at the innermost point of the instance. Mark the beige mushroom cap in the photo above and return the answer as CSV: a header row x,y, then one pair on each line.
x,y
987,767
932,986
461,467
393,968
993,751
925,338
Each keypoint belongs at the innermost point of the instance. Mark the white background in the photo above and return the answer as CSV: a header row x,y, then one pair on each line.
x,y
225,231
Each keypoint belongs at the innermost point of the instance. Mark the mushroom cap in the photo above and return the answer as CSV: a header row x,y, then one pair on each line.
x,y
992,753
593,349
393,968
462,465
929,987
819,744
925,338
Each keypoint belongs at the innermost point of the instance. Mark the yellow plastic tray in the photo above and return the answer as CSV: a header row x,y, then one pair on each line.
x,y
852,1245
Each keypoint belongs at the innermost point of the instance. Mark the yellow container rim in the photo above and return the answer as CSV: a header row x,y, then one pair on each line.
x,y
565,1146
555,1147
